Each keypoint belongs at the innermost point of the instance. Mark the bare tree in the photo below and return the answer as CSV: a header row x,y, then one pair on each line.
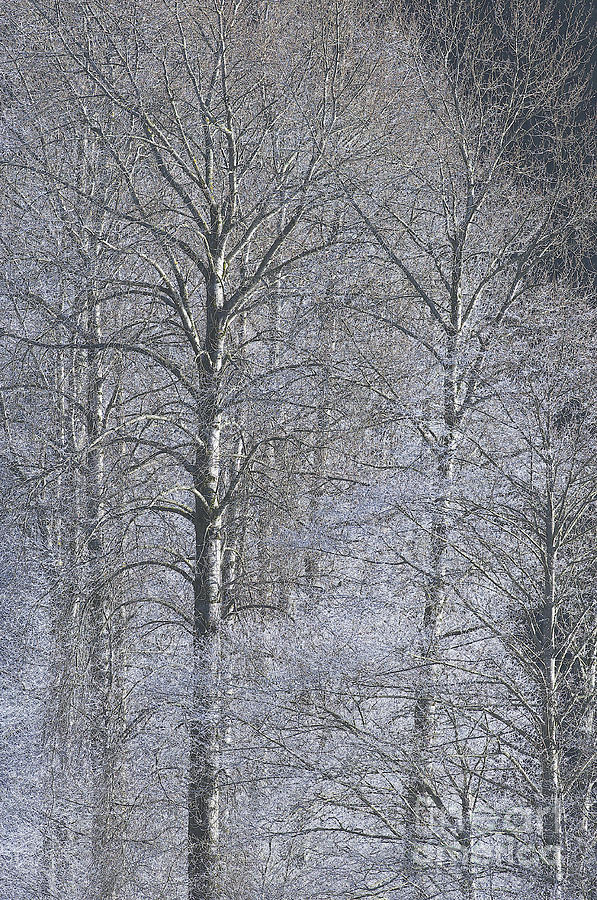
x,y
224,174
535,560
463,220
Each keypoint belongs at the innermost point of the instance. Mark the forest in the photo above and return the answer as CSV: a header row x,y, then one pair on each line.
x,y
298,450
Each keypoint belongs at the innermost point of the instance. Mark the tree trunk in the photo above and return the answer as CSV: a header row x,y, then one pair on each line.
x,y
551,814
467,876
588,867
56,852
319,454
418,804
103,870
204,789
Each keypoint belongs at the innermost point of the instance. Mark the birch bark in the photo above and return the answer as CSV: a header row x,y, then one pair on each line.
x,y
204,768
551,823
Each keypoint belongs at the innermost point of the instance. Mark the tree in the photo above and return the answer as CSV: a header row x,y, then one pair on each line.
x,y
539,512
219,208
463,219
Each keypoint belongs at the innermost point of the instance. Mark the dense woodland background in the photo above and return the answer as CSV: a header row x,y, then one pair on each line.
x,y
298,450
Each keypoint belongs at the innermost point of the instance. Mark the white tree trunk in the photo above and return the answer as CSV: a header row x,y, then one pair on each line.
x,y
551,789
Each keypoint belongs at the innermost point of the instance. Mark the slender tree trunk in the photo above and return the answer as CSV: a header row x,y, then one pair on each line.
x,y
103,870
276,585
319,454
204,788
551,815
467,876
419,809
117,629
588,866
204,799
55,850
236,514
